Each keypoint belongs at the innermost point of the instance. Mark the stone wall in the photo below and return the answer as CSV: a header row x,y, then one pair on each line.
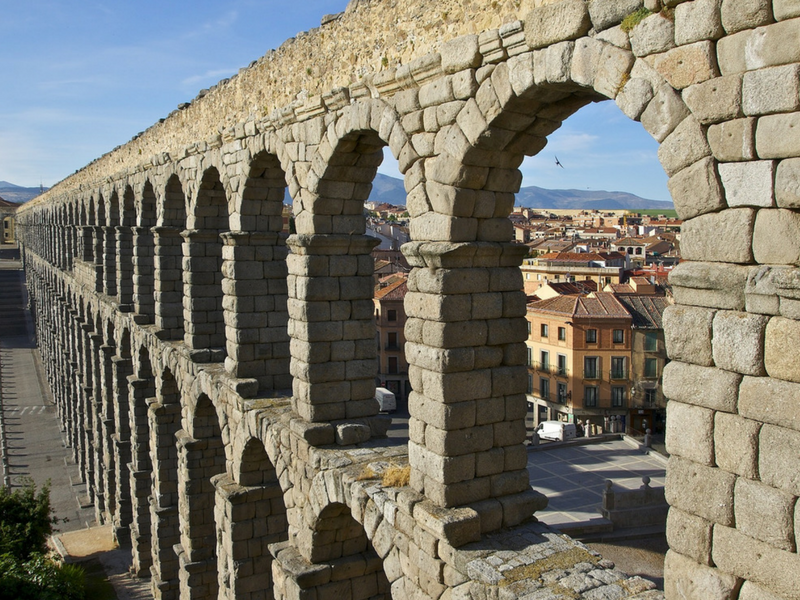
x,y
263,349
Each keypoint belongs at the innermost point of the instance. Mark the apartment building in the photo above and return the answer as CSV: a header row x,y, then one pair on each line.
x,y
579,358
390,319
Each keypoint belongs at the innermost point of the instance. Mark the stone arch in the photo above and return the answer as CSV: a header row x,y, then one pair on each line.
x,y
339,542
250,516
254,268
204,326
169,259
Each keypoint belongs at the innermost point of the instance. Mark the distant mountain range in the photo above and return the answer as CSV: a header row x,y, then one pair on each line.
x,y
18,194
390,190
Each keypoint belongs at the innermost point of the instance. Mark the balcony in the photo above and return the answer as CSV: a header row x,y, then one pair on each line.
x,y
591,374
551,369
618,375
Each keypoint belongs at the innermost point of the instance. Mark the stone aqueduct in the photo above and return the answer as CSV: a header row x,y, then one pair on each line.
x,y
215,377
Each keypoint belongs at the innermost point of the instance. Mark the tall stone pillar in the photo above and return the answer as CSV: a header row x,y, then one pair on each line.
x,y
94,417
465,347
164,421
107,424
108,237
168,282
124,240
257,341
122,368
86,239
143,274
141,476
98,253
204,327
198,462
334,357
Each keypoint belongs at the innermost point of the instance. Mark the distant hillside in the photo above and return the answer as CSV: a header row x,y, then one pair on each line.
x,y
18,194
390,190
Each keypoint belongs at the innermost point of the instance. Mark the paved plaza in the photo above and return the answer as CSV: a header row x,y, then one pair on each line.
x,y
573,477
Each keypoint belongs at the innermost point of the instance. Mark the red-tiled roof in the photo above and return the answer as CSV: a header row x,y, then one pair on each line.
x,y
600,304
396,290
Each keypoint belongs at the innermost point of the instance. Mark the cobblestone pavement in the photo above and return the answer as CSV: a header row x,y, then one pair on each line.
x,y
573,477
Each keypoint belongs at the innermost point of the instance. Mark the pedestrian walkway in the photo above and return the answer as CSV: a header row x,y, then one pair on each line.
x,y
573,478
33,443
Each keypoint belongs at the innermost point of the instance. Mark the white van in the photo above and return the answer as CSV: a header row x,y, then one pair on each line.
x,y
386,400
556,430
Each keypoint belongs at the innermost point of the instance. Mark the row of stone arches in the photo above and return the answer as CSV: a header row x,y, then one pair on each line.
x,y
458,122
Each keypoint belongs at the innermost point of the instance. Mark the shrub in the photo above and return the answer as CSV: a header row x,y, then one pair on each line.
x,y
26,520
40,578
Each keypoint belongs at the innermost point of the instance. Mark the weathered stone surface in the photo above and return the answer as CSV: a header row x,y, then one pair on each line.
x,y
787,183
714,285
564,20
772,224
460,53
753,500
605,13
777,458
766,46
687,334
733,140
771,90
752,591
781,334
725,236
739,342
785,9
696,190
715,100
776,136
690,432
749,183
684,578
736,444
664,112
634,97
702,386
750,559
683,147
704,491
655,34
688,65
689,535
698,20
745,14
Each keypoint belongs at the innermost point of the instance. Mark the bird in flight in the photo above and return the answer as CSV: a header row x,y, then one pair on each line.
x,y
558,163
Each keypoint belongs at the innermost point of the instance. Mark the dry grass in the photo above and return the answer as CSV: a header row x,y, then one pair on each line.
x,y
396,476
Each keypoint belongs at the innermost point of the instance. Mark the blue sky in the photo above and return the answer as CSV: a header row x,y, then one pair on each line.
x,y
83,76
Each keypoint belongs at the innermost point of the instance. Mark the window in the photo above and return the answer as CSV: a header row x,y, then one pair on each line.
x,y
617,396
544,389
530,357
562,393
591,336
392,364
562,334
544,360
619,336
618,370
651,341
545,330
590,370
530,383
391,315
590,396
650,396
562,365
651,368
391,340
529,328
